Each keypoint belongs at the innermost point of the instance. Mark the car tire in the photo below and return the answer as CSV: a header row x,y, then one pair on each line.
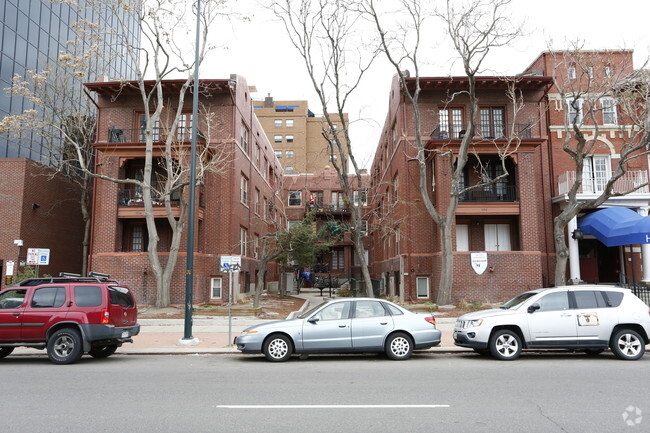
x,y
5,351
278,348
103,351
505,345
65,346
627,344
399,346
594,352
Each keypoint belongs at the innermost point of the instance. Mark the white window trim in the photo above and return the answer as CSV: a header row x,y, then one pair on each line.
x,y
289,199
243,190
212,287
462,237
613,110
417,287
243,238
569,108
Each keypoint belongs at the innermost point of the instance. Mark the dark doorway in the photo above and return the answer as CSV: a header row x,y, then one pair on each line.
x,y
599,263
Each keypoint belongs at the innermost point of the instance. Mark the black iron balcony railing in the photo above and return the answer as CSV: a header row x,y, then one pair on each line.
x,y
488,132
120,135
325,208
133,197
492,193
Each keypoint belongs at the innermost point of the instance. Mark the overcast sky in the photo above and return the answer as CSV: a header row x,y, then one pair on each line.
x,y
260,50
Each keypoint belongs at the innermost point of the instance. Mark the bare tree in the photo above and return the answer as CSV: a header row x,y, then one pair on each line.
x,y
474,28
586,98
162,55
325,35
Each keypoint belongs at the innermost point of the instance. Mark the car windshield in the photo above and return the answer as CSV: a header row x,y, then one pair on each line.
x,y
311,311
517,300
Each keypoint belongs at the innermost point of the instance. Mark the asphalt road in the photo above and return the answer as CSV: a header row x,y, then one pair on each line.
x,y
237,393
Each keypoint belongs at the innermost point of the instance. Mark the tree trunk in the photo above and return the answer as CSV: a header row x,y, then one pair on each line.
x,y
561,252
447,266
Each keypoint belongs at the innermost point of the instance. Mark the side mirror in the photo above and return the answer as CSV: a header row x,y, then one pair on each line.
x,y
313,319
533,308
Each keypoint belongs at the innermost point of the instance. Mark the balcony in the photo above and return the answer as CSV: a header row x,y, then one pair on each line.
x,y
120,135
596,183
493,132
131,204
330,208
491,193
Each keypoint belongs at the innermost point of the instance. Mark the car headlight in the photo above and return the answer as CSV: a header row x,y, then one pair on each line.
x,y
245,332
473,323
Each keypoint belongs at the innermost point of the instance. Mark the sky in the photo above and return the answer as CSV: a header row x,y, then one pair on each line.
x,y
260,50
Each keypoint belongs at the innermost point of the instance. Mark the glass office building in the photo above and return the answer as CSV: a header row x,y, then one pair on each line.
x,y
33,33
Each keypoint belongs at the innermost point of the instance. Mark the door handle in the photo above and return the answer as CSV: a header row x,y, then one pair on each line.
x,y
566,315
343,326
384,323
15,314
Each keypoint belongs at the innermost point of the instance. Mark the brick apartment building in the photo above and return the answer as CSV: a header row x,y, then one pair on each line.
x,y
509,219
41,209
297,134
231,205
594,72
321,194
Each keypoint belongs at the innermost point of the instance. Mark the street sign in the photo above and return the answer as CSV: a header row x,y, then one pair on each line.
x,y
32,256
230,263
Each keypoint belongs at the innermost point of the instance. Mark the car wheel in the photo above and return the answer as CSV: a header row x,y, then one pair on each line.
x,y
594,352
505,345
627,344
65,346
399,346
278,348
103,351
5,351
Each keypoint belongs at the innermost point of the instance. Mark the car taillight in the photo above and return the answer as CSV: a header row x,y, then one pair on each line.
x,y
431,319
105,317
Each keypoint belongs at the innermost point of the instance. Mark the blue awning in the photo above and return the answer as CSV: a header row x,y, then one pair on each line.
x,y
616,226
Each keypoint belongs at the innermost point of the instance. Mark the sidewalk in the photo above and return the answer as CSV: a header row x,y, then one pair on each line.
x,y
162,336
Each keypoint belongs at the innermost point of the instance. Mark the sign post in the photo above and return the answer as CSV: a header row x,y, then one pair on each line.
x,y
230,265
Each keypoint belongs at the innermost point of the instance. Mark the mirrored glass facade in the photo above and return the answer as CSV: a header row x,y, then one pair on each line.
x,y
33,33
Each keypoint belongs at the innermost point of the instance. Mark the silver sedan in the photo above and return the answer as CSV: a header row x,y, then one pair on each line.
x,y
344,325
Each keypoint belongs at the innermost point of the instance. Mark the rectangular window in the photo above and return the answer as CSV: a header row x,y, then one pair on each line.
x,y
337,200
338,259
265,207
277,139
574,111
396,189
607,71
184,127
155,130
609,111
215,287
364,227
256,246
295,198
137,238
596,171
244,137
289,138
497,237
278,153
462,237
289,153
423,287
288,123
257,201
289,169
292,223
572,73
243,238
360,198
243,190
492,121
451,122
333,158
277,123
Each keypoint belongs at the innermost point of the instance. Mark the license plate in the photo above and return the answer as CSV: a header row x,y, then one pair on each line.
x,y
125,334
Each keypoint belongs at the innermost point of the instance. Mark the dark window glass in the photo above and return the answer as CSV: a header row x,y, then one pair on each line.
x,y
554,302
52,297
12,299
393,310
88,296
9,43
585,299
23,25
11,15
120,296
613,298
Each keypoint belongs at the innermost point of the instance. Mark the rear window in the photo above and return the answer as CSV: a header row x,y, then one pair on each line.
x,y
88,296
613,299
121,296
588,299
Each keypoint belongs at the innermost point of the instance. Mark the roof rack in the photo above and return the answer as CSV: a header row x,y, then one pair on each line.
x,y
69,277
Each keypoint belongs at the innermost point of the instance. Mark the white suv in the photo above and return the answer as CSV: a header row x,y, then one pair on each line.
x,y
586,317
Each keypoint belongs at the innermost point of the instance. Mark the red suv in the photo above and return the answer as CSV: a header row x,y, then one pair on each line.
x,y
68,315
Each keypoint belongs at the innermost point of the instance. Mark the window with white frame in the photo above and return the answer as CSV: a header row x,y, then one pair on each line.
x,y
257,201
289,154
590,71
295,198
596,171
360,198
277,123
364,227
277,139
289,169
256,246
462,237
244,137
215,287
422,286
337,200
451,122
609,111
333,157
289,138
607,72
497,237
184,127
243,190
278,153
574,110
243,238
572,72
288,123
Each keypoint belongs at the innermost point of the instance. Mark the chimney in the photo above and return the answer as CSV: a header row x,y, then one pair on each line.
x,y
268,101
